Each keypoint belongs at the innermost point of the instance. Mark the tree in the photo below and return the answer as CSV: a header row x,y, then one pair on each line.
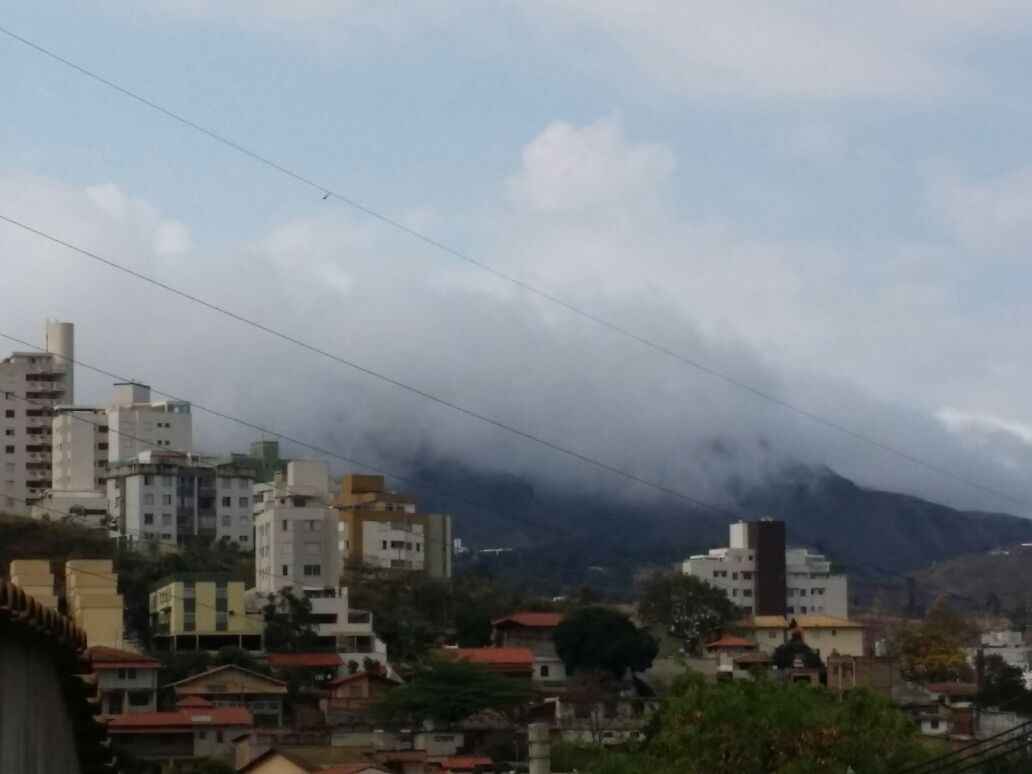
x,y
933,650
1003,686
288,623
448,691
766,727
603,639
687,607
587,692
785,655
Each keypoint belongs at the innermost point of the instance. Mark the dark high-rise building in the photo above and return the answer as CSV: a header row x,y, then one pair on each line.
x,y
767,539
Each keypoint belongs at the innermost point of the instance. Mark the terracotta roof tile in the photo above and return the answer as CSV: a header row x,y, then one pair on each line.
x,y
533,620
514,657
730,641
181,719
103,657
466,762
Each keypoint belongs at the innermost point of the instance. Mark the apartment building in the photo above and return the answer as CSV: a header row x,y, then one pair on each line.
x,y
78,465
762,577
127,682
296,549
166,499
93,601
31,385
202,612
138,424
384,529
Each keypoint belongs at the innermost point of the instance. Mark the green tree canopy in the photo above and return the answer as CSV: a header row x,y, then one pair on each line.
x,y
603,639
288,623
933,650
687,607
1003,686
448,691
767,727
785,655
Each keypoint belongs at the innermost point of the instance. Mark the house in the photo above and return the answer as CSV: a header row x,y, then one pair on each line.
x,y
233,686
824,634
726,649
353,694
534,631
183,734
511,662
880,674
275,761
323,667
127,682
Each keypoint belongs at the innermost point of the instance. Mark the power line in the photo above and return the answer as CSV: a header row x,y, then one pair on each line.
x,y
305,444
419,392
569,306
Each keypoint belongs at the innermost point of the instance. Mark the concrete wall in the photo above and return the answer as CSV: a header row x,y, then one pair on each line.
x,y
36,731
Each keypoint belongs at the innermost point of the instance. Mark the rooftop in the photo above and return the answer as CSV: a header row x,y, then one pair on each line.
x,y
730,641
802,621
102,657
496,657
532,620
181,720
466,762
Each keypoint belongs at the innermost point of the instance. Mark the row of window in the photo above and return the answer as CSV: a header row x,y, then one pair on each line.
x,y
399,545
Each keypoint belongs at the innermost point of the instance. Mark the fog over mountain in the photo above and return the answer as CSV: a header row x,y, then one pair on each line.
x,y
585,213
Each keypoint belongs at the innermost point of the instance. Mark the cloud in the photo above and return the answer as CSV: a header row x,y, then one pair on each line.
x,y
789,318
570,168
989,214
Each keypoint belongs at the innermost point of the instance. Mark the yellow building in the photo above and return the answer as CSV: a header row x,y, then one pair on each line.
x,y
824,634
202,612
384,529
91,593
35,579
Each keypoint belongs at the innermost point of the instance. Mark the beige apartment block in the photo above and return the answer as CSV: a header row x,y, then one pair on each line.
x,y
34,577
91,588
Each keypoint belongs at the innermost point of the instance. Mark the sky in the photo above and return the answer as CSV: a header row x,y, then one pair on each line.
x,y
829,204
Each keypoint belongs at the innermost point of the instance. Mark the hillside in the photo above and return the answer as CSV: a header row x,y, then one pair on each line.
x,y
571,538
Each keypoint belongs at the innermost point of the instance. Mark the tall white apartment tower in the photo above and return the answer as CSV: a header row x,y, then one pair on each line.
x,y
296,532
138,424
31,385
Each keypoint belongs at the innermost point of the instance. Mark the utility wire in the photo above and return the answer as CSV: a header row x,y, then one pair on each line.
x,y
549,296
322,451
419,392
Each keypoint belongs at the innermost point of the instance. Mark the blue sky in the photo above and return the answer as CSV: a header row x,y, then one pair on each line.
x,y
832,202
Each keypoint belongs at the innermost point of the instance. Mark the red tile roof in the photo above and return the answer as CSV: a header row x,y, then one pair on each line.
x,y
953,689
533,620
353,768
182,720
194,701
466,762
496,657
103,657
311,660
730,641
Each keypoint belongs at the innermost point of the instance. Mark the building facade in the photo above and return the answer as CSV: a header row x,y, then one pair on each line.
x,y
824,634
127,682
533,631
32,384
761,577
78,467
384,529
202,612
167,499
138,424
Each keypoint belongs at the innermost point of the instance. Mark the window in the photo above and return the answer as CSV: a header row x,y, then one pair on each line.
x,y
227,502
734,592
166,499
734,576
9,413
242,483
746,592
284,525
227,520
383,544
166,520
285,570
189,622
544,670
166,535
245,539
772,635
834,632
148,480
148,499
139,698
218,736
419,547
312,570
148,518
10,431
202,734
9,449
245,502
